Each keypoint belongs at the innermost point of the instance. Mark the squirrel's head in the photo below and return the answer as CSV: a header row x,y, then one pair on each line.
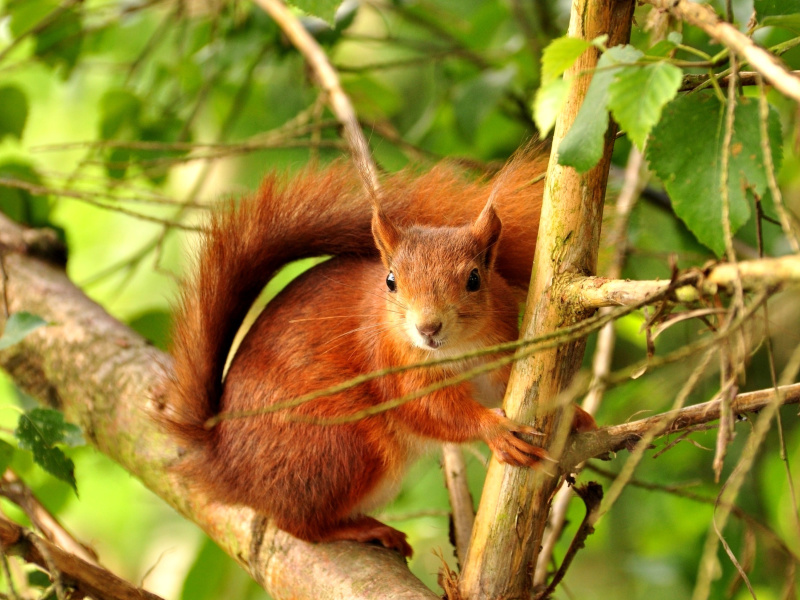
x,y
439,280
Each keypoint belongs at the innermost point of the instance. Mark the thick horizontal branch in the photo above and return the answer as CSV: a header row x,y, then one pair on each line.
x,y
704,17
595,292
617,437
73,572
110,381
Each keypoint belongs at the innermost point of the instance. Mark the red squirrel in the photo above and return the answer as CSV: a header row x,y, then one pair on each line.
x,y
433,273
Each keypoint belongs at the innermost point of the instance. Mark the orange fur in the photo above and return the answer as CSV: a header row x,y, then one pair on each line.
x,y
455,269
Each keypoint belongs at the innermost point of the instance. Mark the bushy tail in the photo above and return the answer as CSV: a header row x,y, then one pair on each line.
x,y
315,214
243,246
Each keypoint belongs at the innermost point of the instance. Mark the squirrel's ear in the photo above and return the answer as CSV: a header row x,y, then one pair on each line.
x,y
486,229
386,235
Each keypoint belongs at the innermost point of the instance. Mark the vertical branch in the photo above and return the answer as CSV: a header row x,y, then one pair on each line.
x,y
635,181
463,511
730,357
515,504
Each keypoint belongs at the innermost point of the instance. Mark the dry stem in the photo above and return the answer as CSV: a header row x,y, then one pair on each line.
x,y
72,571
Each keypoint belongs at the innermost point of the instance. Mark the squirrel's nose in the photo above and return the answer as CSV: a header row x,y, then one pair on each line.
x,y
430,329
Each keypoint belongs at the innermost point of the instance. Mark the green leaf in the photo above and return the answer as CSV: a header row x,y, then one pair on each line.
x,y
18,326
39,431
638,94
119,115
675,37
582,147
206,579
324,9
548,103
560,55
478,97
785,13
164,129
695,124
19,204
51,427
61,40
154,325
27,14
6,454
39,579
14,113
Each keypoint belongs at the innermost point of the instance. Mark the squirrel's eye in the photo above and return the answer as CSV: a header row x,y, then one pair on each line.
x,y
474,281
390,283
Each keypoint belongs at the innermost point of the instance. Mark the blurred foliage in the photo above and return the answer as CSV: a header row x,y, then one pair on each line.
x,y
121,119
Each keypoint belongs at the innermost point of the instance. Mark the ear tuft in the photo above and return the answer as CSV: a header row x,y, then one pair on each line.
x,y
386,235
486,229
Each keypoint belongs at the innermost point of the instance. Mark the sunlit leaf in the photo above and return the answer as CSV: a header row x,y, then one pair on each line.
x,y
560,55
548,103
6,454
582,147
14,111
638,95
324,9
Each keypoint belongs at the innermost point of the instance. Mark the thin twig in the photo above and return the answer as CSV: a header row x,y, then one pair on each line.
x,y
7,572
679,492
90,580
55,573
43,190
48,19
329,82
658,428
746,78
738,476
592,495
769,168
20,494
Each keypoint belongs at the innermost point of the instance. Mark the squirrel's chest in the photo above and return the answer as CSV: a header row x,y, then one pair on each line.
x,y
489,390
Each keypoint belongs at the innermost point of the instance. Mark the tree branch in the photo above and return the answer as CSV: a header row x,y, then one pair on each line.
x,y
704,17
110,381
87,578
594,292
15,490
597,443
515,503
463,511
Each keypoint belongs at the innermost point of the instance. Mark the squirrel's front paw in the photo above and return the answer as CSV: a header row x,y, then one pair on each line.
x,y
513,450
